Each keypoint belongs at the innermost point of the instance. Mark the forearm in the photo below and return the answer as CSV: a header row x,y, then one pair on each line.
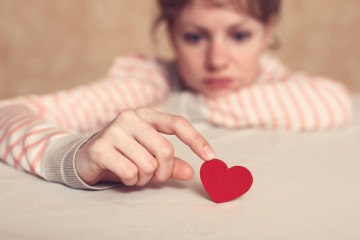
x,y
301,103
297,103
40,147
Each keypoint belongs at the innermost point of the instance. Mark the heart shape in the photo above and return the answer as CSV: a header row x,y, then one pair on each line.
x,y
222,183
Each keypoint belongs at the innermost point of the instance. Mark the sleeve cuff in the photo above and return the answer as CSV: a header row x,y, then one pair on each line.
x,y
58,163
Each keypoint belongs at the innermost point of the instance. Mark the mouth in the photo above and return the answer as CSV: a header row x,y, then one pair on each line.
x,y
218,82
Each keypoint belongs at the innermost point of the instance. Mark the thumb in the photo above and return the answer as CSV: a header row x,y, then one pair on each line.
x,y
182,170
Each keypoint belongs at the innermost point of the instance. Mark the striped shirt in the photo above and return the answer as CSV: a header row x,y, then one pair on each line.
x,y
41,134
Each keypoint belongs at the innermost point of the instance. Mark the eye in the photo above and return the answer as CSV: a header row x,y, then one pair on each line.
x,y
241,36
192,37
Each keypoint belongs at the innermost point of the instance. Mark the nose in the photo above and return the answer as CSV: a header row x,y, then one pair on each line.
x,y
217,56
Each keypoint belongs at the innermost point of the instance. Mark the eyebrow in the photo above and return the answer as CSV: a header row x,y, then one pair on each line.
x,y
204,29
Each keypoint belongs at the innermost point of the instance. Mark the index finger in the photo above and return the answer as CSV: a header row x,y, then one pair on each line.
x,y
182,128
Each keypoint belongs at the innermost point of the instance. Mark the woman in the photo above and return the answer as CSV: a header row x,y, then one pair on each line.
x,y
221,70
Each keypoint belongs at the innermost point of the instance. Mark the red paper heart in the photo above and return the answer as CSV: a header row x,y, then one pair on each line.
x,y
222,183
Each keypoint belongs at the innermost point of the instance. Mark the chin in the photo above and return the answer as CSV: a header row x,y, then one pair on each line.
x,y
215,94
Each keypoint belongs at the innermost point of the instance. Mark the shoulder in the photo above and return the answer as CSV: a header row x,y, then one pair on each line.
x,y
271,68
271,62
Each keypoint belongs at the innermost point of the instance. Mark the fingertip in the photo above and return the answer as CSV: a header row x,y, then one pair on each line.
x,y
187,174
208,152
182,170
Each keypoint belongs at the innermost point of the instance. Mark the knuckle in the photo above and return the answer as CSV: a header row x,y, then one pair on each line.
x,y
127,115
180,121
96,149
129,183
149,169
166,150
130,173
143,111
145,127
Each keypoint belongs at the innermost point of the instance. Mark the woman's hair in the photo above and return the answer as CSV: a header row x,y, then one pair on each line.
x,y
265,11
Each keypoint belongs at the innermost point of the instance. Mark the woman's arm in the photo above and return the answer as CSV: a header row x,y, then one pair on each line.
x,y
56,125
278,100
296,102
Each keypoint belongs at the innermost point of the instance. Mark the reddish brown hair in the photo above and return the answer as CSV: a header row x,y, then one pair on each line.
x,y
265,11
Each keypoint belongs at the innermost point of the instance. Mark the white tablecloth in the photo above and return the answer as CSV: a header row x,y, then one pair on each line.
x,y
306,186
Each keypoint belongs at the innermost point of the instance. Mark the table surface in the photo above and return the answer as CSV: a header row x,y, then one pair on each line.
x,y
306,186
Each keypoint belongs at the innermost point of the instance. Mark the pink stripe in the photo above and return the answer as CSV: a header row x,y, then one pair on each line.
x,y
325,104
255,106
154,93
118,87
282,107
21,125
220,111
73,112
26,147
242,108
268,106
310,104
232,111
34,101
100,109
134,97
101,103
109,92
13,110
147,100
112,102
35,162
45,111
9,116
19,121
208,102
342,105
14,143
84,111
154,88
296,105
64,120
92,110
8,108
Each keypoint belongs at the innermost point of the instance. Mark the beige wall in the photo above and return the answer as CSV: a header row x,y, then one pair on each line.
x,y
47,45
323,37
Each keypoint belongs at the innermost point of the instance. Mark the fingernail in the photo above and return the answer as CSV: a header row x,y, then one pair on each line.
x,y
209,152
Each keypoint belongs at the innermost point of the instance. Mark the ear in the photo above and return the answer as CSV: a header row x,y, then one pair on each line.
x,y
269,35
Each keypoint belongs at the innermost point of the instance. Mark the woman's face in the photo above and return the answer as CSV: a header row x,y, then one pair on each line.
x,y
217,48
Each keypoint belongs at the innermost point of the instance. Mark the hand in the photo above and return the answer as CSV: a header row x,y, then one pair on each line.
x,y
132,150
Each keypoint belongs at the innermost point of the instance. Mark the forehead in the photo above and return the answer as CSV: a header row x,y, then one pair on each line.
x,y
212,11
222,3
236,5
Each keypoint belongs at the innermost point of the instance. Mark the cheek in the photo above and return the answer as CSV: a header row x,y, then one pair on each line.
x,y
246,60
189,72
189,63
247,66
248,57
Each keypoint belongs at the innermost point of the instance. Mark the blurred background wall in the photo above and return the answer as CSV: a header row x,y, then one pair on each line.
x,y
46,45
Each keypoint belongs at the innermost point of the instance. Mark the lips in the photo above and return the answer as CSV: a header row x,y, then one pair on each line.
x,y
217,82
